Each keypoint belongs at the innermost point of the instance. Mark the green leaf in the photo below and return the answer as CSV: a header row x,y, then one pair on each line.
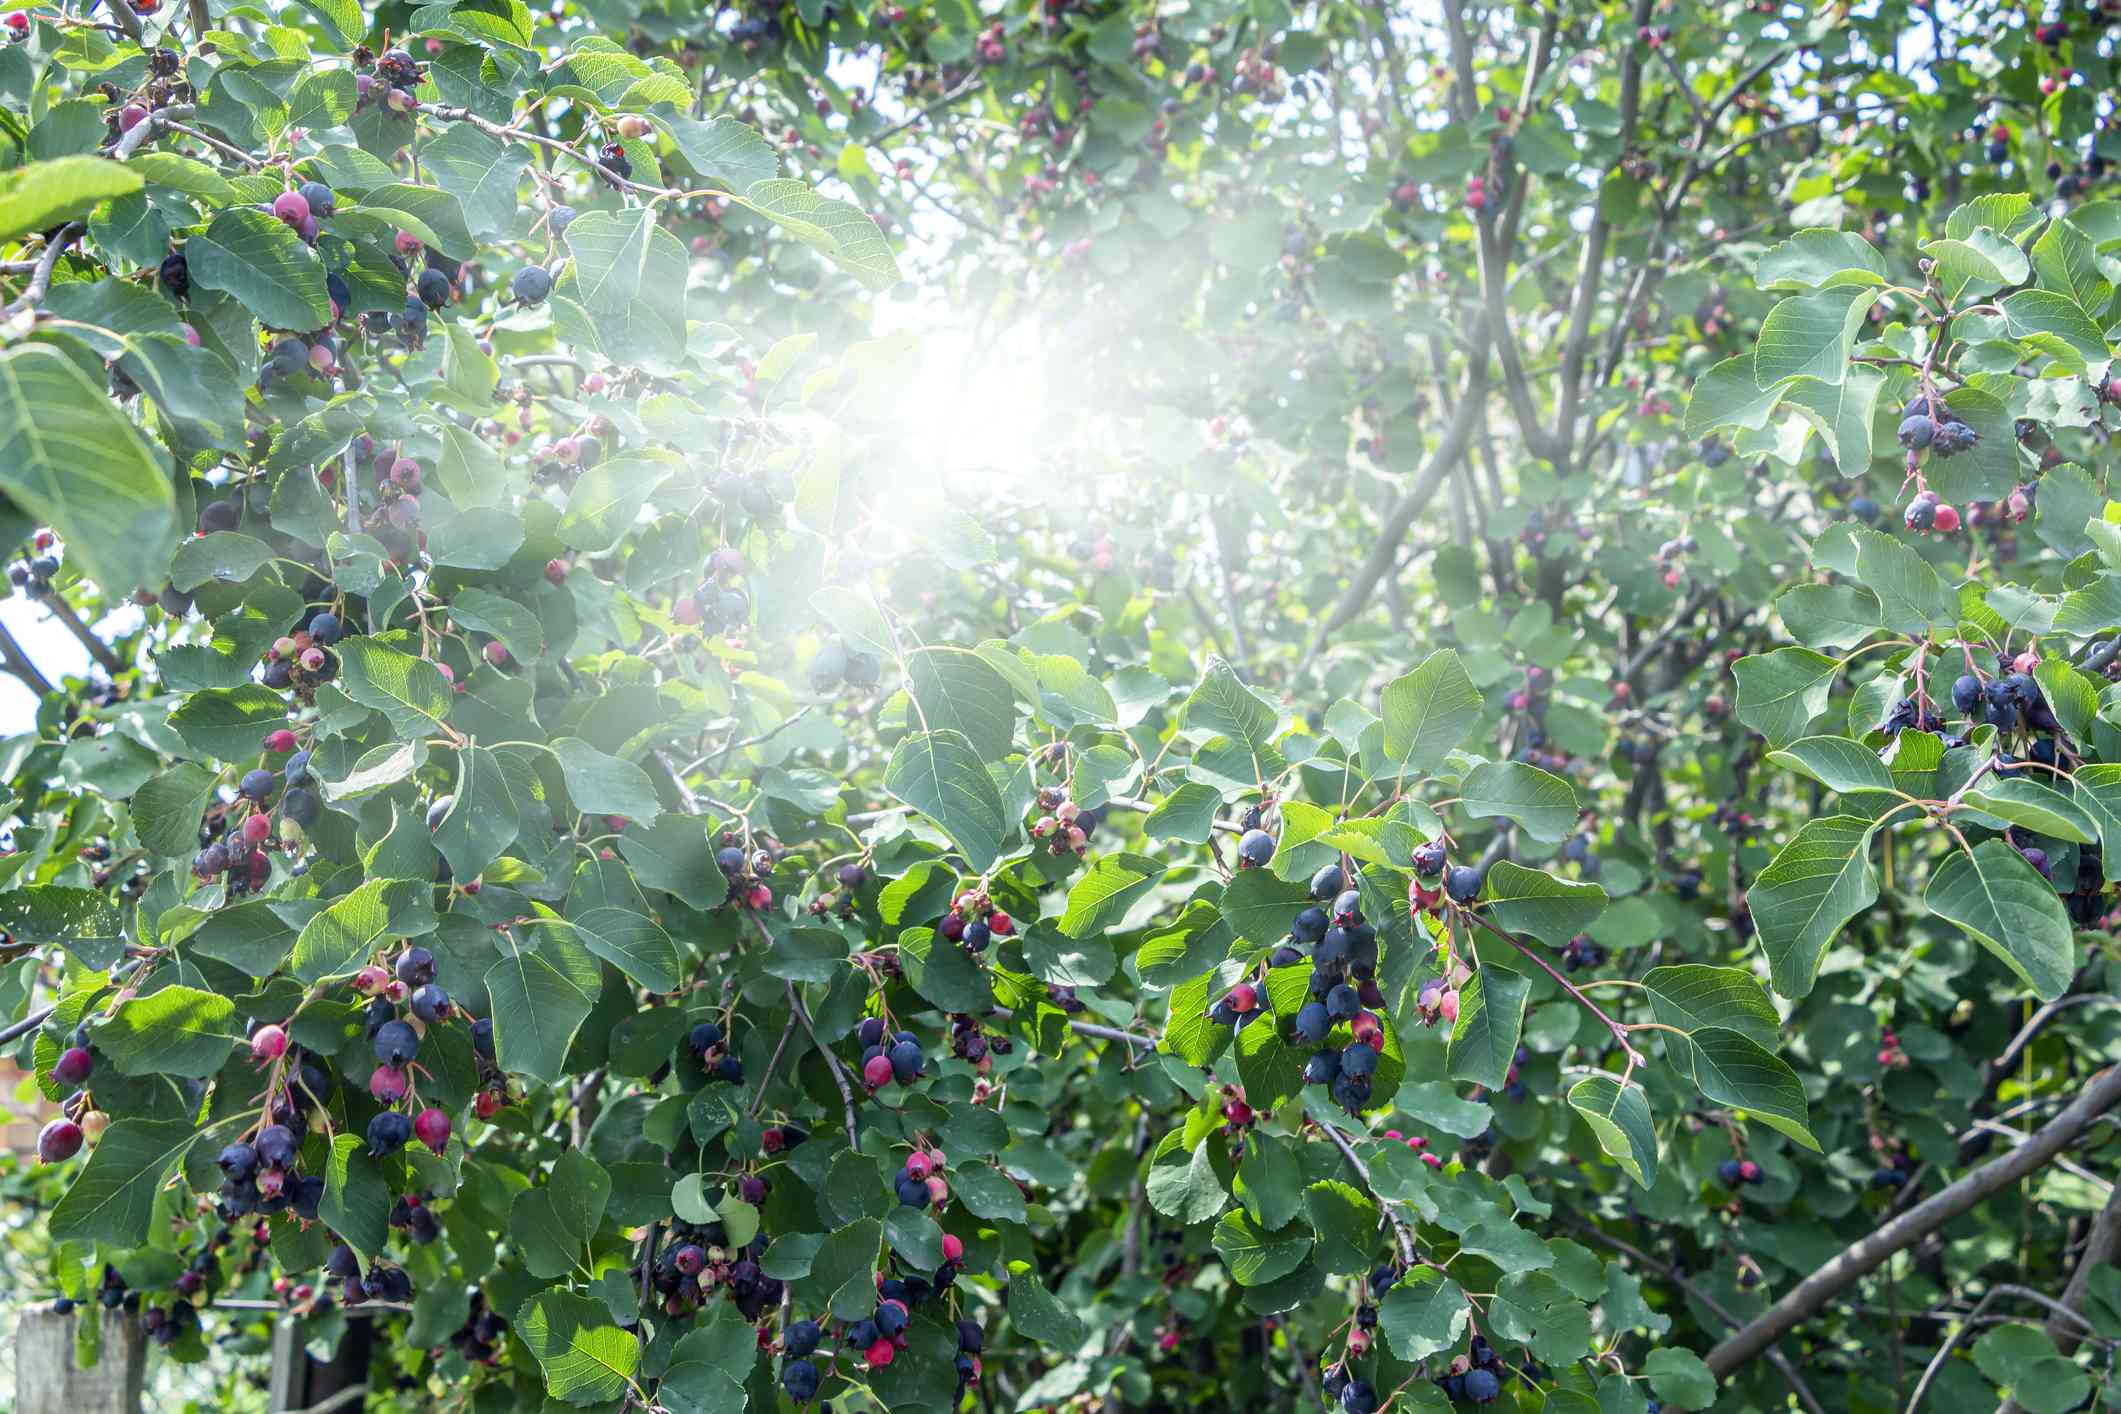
x,y
483,818
1693,995
82,921
1735,1070
1345,1221
607,499
339,939
46,194
518,629
1103,894
112,1199
2000,899
1490,1019
1254,1256
1543,804
1810,336
1830,615
2047,312
168,808
73,459
727,150
356,1198
1620,1116
1820,258
939,774
250,254
2035,807
173,1031
410,691
554,1223
842,233
960,691
1220,705
1911,597
482,172
1033,1311
1779,693
1521,900
604,785
1428,712
1730,395
632,943
540,1000
1424,1314
1680,1378
1819,881
586,1358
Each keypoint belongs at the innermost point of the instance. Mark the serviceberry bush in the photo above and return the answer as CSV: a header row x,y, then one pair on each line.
x,y
1510,807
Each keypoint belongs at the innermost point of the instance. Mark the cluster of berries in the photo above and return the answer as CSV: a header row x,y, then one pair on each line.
x,y
80,1121
889,1058
1737,1173
1343,989
991,48
973,922
746,873
479,1339
921,1182
709,1046
394,82
1669,555
301,660
700,1260
1580,952
1460,882
835,663
381,1282
34,575
396,1044
1476,1376
1065,823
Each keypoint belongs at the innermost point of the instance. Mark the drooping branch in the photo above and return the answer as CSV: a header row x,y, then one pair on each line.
x,y
1807,1298
2066,1326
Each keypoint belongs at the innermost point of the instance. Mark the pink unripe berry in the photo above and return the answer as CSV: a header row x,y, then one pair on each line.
x,y
759,897
281,741
917,1165
434,46
877,1071
953,1250
291,207
938,1191
18,21
1947,519
1243,997
1447,1004
312,659
268,1043
93,1124
878,1355
388,1084
687,611
131,116
370,980
256,828
448,673
431,1127
594,383
496,654
407,243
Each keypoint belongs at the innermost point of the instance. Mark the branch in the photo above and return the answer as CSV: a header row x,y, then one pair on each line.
x,y
2100,1250
1672,1274
1403,1235
97,648
26,1025
1620,1033
14,660
40,282
1808,1296
832,1063
1456,436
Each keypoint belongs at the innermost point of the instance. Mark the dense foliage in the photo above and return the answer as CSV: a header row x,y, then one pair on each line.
x,y
1509,800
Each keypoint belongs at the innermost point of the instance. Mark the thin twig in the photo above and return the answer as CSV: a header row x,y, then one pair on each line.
x,y
832,1063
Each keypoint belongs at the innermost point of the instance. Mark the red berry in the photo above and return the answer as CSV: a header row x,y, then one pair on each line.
x,y
431,1127
556,571
268,1043
953,1250
877,1071
496,654
1243,997
1001,924
388,1084
291,207
486,1105
18,21
59,1141
917,1165
74,1066
1947,519
281,741
879,1354
256,828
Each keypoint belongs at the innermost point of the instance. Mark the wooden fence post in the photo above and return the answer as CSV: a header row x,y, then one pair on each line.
x,y
301,1383
47,1380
